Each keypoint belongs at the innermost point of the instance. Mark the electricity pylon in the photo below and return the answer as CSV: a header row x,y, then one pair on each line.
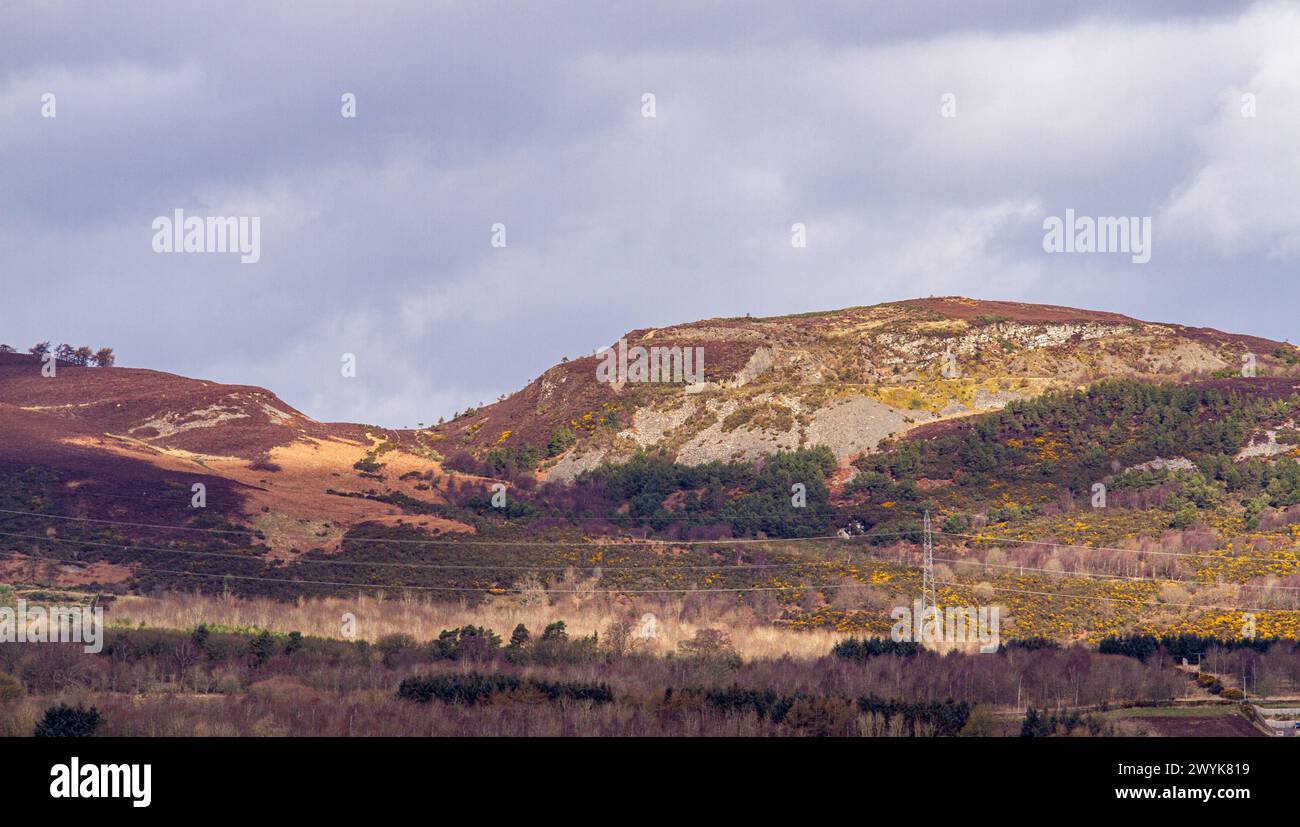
x,y
928,599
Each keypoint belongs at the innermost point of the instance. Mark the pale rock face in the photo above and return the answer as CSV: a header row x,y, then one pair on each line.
x,y
650,426
1161,464
1267,447
991,400
759,363
238,406
571,465
276,415
926,348
954,408
858,425
847,427
171,423
713,443
551,385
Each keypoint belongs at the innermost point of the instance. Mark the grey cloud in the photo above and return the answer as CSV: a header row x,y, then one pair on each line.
x,y
375,231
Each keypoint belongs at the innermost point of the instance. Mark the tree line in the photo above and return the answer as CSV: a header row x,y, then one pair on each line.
x,y
83,356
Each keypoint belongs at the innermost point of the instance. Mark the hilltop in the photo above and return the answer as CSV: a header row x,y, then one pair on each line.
x,y
845,379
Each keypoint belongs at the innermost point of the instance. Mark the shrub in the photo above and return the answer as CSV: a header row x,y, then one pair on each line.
x,y
562,439
553,646
983,722
1045,725
854,649
957,524
391,647
11,689
573,690
709,643
461,689
463,461
200,636
465,643
64,721
820,715
1032,644
227,684
368,465
519,638
505,461
261,647
474,688
762,702
555,631
1184,516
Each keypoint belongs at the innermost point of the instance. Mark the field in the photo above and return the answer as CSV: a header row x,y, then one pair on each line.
x,y
1220,721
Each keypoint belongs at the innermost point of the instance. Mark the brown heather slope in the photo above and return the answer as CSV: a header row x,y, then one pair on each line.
x,y
128,444
158,409
844,378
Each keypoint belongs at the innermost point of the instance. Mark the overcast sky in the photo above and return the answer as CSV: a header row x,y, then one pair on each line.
x,y
375,231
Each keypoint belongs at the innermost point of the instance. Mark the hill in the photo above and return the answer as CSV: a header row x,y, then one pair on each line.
x,y
846,379
128,444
